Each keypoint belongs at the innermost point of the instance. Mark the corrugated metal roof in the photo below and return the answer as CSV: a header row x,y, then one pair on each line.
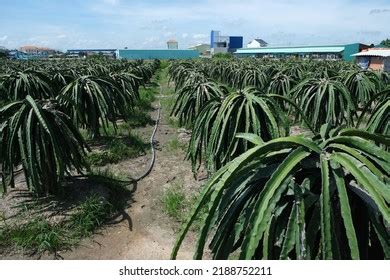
x,y
286,50
374,52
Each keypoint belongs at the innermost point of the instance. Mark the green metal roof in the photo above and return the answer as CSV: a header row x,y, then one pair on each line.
x,y
296,50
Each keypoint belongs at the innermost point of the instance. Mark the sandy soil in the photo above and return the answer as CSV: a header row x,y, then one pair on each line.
x,y
146,233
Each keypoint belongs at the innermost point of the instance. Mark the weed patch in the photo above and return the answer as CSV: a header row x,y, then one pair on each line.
x,y
174,145
42,234
174,202
116,150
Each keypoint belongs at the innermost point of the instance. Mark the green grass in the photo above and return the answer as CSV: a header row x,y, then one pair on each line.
x,y
138,118
174,145
117,149
165,79
192,200
91,214
174,202
167,103
177,204
147,96
41,235
38,235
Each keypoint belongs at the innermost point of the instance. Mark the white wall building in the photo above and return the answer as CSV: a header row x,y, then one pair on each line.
x,y
257,43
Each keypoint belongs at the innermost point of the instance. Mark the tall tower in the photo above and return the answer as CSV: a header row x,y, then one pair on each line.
x,y
173,44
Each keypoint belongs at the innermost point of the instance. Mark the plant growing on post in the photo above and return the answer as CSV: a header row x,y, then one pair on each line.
x,y
43,140
252,77
281,84
363,85
94,102
379,119
201,133
191,99
18,85
325,101
246,111
299,198
129,84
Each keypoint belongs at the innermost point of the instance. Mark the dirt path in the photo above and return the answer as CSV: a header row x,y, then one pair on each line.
x,y
147,233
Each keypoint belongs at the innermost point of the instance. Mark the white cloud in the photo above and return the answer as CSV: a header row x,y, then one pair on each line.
x,y
184,35
3,38
151,40
169,34
379,11
200,36
61,36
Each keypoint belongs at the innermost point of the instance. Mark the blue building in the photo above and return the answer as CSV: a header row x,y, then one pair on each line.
x,y
156,54
16,54
224,44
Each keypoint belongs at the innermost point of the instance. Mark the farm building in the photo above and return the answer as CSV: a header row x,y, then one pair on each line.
x,y
156,54
203,49
37,51
332,52
257,43
375,59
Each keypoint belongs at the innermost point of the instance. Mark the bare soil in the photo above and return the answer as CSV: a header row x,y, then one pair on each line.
x,y
147,233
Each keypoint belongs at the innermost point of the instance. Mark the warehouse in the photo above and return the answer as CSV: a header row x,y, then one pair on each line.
x,y
88,52
375,59
203,49
156,54
331,52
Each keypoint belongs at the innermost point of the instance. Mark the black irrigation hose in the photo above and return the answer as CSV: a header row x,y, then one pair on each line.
x,y
152,144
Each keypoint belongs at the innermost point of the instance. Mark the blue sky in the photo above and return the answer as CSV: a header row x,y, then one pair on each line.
x,y
64,24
